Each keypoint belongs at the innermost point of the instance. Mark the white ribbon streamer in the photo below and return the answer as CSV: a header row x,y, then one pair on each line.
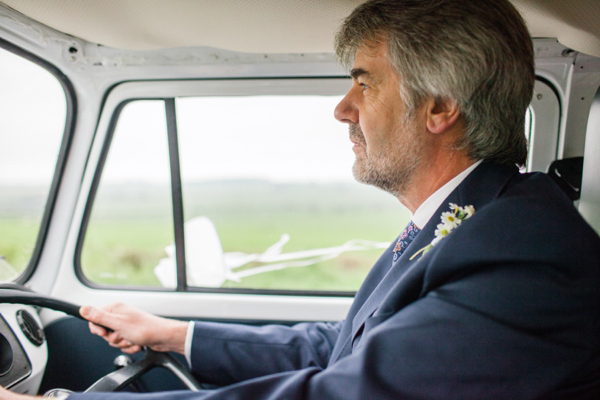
x,y
208,266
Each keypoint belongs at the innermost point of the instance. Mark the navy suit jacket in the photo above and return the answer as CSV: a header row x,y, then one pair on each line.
x,y
506,306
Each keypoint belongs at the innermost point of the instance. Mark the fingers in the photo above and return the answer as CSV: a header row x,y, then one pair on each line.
x,y
118,318
124,345
128,328
131,349
97,330
114,339
97,316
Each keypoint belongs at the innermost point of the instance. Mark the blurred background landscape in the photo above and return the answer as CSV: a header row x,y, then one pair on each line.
x,y
131,225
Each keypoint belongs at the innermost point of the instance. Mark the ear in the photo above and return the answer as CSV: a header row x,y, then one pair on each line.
x,y
442,114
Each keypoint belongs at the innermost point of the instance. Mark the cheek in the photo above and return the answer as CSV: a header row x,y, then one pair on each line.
x,y
370,125
378,135
379,123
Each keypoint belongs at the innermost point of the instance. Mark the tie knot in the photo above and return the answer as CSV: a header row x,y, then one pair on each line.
x,y
406,237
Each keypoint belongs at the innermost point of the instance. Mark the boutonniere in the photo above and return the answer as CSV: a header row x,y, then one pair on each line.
x,y
450,220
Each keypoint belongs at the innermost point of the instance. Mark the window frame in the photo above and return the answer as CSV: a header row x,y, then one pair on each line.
x,y
63,153
167,91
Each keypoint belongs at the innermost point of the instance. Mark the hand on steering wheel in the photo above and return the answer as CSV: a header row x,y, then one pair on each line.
x,y
124,321
130,329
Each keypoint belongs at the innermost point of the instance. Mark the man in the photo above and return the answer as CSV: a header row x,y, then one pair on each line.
x,y
492,299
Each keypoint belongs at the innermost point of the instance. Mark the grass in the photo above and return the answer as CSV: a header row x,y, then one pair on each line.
x,y
126,251
131,226
17,241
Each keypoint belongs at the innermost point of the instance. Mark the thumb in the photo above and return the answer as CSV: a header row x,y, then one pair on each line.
x,y
94,315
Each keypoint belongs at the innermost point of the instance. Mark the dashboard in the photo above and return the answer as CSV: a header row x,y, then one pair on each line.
x,y
23,348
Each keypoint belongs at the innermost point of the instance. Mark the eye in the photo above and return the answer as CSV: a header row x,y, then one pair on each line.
x,y
364,86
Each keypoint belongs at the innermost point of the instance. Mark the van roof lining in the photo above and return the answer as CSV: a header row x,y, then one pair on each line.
x,y
265,26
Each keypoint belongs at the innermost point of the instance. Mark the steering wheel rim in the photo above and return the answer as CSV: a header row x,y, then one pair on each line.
x,y
120,378
115,380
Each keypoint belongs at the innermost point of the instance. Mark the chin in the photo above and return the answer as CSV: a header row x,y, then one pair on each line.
x,y
361,172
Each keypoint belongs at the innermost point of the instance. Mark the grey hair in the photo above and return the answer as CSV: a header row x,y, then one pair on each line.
x,y
476,53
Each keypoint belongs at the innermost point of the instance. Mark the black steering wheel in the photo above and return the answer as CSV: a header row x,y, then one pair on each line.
x,y
120,378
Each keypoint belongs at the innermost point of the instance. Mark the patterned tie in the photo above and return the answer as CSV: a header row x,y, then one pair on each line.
x,y
406,237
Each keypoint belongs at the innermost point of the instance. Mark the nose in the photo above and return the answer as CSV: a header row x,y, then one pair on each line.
x,y
346,111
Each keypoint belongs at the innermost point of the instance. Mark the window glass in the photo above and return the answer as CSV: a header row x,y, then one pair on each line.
x,y
131,223
269,197
33,119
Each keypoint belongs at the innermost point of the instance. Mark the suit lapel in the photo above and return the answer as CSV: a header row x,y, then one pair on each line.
x,y
393,275
400,285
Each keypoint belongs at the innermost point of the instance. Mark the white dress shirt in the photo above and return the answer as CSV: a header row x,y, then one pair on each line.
x,y
423,214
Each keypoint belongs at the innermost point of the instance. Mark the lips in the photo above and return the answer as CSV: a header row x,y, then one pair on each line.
x,y
356,135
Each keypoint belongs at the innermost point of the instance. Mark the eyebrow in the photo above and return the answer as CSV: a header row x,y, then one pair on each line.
x,y
356,72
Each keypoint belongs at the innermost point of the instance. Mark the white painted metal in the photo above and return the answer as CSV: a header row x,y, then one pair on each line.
x,y
589,206
38,356
543,142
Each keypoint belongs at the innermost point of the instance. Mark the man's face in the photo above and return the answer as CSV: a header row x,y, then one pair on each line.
x,y
386,138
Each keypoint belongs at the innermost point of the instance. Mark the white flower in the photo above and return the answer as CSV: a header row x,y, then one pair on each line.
x,y
443,230
450,220
469,211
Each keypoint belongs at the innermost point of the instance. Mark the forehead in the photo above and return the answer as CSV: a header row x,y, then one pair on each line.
x,y
372,60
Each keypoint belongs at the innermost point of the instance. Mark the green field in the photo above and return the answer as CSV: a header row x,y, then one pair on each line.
x,y
122,252
130,227
17,241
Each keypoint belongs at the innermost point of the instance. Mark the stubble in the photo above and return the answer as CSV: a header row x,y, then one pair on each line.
x,y
391,170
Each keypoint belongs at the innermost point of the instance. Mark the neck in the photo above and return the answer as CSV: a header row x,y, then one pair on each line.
x,y
429,178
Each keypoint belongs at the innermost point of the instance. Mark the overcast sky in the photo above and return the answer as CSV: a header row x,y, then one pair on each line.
x,y
282,139
32,118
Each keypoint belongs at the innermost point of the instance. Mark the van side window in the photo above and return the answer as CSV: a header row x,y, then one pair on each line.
x,y
33,108
269,201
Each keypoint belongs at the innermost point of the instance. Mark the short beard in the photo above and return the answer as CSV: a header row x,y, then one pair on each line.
x,y
391,171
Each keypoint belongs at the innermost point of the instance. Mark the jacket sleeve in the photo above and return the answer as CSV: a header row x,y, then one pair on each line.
x,y
225,353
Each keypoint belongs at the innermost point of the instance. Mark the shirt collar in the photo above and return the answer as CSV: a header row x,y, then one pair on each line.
x,y
433,202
